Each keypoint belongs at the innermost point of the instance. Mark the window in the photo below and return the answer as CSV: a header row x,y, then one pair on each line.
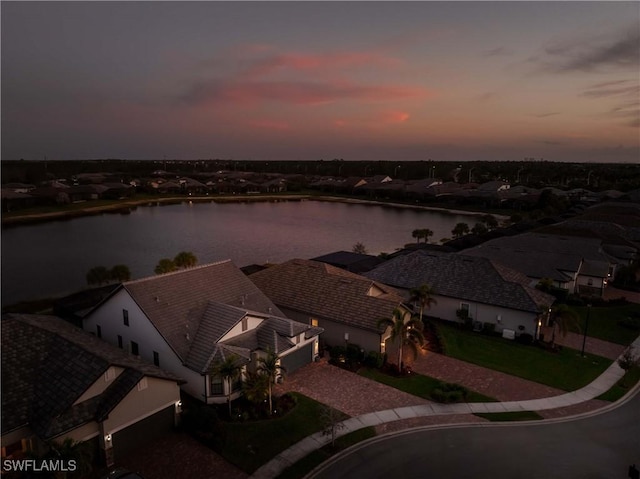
x,y
142,385
216,386
314,322
156,358
98,331
134,348
125,317
119,341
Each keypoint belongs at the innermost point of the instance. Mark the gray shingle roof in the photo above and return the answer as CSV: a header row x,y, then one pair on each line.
x,y
464,277
47,364
328,292
176,302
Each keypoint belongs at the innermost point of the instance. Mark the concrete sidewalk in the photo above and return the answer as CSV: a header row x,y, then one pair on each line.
x,y
311,443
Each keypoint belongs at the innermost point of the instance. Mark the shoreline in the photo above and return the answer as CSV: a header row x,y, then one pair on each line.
x,y
126,206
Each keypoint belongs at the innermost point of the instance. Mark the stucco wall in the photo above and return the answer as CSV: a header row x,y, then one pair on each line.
x,y
142,331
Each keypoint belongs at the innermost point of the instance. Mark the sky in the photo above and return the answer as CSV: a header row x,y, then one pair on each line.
x,y
446,81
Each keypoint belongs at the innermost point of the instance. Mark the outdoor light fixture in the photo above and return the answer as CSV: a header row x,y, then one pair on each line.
x,y
107,439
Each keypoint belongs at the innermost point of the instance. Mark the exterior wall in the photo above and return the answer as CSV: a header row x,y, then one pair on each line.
x,y
139,404
334,332
252,323
101,384
596,287
143,332
503,318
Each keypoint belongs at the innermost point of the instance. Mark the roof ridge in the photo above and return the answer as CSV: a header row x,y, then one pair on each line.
x,y
173,273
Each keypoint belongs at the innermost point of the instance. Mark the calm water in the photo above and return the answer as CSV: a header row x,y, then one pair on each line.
x,y
53,258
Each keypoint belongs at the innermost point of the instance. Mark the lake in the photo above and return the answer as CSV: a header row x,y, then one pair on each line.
x,y
52,259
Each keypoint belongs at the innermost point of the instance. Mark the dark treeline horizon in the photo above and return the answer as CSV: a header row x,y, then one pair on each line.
x,y
528,172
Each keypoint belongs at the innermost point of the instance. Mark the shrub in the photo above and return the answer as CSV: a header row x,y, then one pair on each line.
x,y
525,338
374,360
489,328
630,323
354,353
449,393
202,422
338,353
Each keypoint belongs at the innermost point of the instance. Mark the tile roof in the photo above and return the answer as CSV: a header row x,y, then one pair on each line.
x,y
47,364
177,302
463,277
322,290
541,255
218,319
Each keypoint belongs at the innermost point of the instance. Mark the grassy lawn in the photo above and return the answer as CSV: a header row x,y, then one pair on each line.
x,y
416,384
251,444
308,463
604,322
623,386
565,370
510,416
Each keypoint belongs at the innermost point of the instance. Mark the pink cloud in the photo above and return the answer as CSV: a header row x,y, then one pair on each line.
x,y
321,61
298,92
395,116
270,124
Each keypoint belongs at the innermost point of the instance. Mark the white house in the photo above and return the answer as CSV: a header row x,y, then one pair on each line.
x,y
487,291
187,320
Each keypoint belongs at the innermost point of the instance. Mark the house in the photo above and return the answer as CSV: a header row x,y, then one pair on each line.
x,y
187,320
484,290
571,262
350,261
61,382
346,305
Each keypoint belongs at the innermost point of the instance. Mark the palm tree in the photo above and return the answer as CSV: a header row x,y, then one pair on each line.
x,y
120,273
423,295
426,234
68,449
165,265
460,229
185,259
406,330
98,275
229,370
269,366
255,387
564,319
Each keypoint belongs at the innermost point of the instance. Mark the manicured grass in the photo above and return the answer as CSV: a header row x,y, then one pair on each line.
x,y
248,445
309,462
604,322
623,386
565,369
417,384
510,416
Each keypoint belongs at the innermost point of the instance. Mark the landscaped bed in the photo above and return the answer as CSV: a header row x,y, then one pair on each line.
x,y
250,444
423,386
616,324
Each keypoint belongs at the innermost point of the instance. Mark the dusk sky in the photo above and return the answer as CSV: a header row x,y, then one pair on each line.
x,y
448,81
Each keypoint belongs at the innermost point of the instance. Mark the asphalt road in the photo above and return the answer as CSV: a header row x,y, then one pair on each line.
x,y
599,446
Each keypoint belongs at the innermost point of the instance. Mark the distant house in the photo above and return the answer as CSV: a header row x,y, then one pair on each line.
x,y
187,320
349,261
574,263
486,291
61,382
346,305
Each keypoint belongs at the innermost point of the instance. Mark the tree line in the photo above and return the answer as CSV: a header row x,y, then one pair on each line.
x,y
99,275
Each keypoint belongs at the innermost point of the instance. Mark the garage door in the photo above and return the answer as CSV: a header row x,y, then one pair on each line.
x,y
142,432
297,359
